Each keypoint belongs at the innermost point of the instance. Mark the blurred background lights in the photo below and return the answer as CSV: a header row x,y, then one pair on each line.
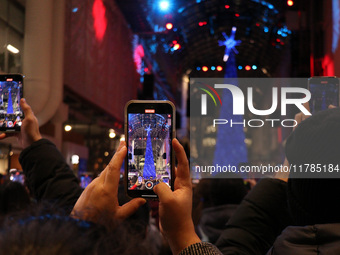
x,y
239,67
12,49
290,2
177,46
213,68
122,138
169,26
75,159
204,68
68,128
254,67
219,68
164,5
112,133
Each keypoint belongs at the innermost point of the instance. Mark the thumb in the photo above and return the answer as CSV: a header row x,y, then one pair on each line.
x,y
163,192
25,107
129,208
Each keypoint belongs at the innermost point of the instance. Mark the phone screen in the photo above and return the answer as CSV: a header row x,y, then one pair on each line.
x,y
324,92
11,91
149,157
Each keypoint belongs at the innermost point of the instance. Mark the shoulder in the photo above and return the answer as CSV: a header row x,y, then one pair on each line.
x,y
201,248
313,239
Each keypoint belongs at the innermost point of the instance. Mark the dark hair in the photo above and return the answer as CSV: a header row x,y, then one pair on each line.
x,y
229,190
13,197
53,234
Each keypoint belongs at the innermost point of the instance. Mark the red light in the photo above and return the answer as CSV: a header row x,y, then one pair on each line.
x,y
290,3
169,26
237,15
247,68
174,42
100,21
202,23
177,46
146,69
219,68
227,6
278,40
204,68
257,24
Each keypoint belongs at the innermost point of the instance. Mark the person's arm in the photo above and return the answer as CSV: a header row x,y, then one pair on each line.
x,y
175,211
259,219
174,208
48,176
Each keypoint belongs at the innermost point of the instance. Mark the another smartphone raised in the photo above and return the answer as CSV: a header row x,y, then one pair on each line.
x,y
324,92
149,130
11,91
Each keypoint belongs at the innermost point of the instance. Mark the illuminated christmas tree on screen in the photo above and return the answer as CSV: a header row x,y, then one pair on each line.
x,y
230,147
10,104
149,167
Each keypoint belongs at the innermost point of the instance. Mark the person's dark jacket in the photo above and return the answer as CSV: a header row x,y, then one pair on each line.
x,y
48,177
260,218
213,221
323,239
262,225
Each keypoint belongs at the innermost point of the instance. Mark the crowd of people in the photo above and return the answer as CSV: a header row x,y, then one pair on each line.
x,y
289,214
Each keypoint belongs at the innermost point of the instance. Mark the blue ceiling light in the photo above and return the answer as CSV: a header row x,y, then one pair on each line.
x,y
239,67
198,68
164,5
213,68
254,67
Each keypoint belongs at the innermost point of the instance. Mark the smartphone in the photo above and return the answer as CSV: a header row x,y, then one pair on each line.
x,y
324,92
11,91
149,130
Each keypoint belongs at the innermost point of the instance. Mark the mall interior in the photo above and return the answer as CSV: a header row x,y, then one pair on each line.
x,y
84,59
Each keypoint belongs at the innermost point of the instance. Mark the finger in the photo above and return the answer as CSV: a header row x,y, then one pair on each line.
x,y
103,173
182,173
5,135
26,108
112,174
306,105
121,144
130,208
163,192
298,119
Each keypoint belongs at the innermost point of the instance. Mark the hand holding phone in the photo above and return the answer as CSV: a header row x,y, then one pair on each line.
x,y
149,130
30,127
175,207
324,92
